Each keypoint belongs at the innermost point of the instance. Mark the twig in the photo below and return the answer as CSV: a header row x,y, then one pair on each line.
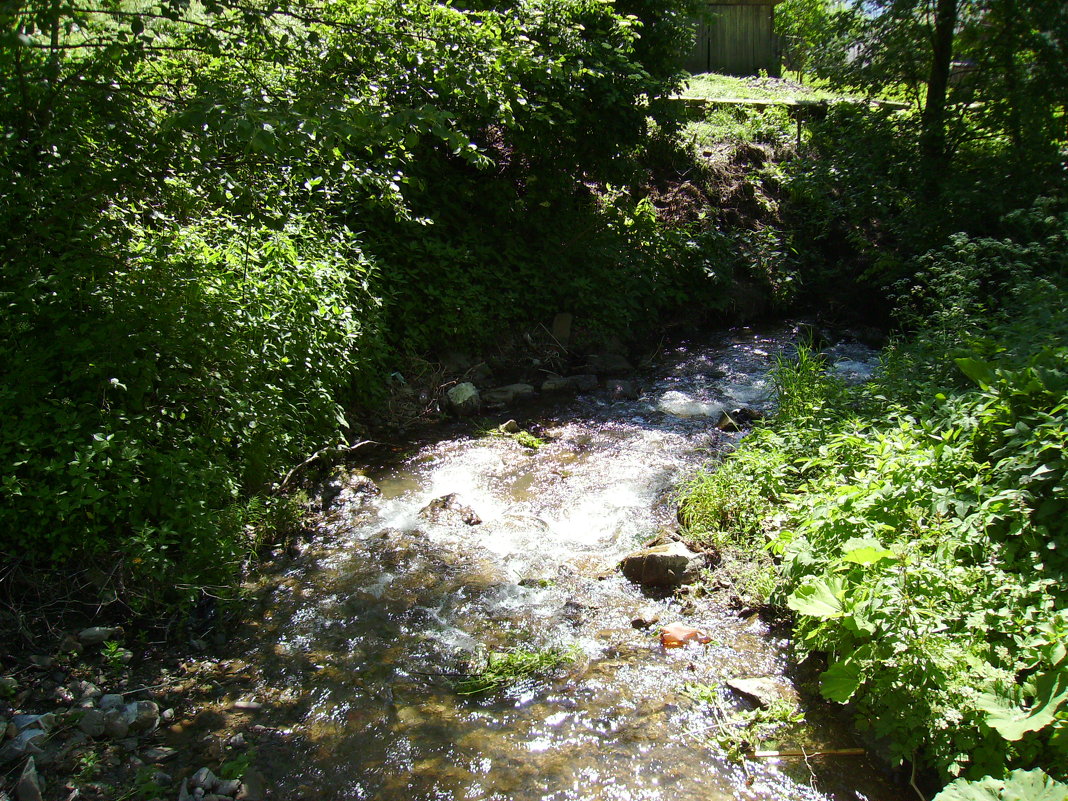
x,y
912,781
801,752
319,454
167,683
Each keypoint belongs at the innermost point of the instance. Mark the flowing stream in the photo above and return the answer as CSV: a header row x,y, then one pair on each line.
x,y
363,632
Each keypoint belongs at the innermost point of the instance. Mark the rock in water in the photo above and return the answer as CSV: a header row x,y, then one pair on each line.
x,y
464,398
448,509
620,388
663,566
764,690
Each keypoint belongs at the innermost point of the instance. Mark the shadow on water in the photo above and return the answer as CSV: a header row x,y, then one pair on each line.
x,y
361,636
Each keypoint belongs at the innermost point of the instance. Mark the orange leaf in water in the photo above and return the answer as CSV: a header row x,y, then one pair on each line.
x,y
676,635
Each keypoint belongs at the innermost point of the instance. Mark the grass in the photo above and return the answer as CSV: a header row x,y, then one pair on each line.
x,y
501,669
713,86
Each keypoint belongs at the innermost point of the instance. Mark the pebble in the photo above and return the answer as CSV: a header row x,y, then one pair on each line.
x,y
204,779
237,741
247,706
9,685
92,722
111,701
42,661
160,754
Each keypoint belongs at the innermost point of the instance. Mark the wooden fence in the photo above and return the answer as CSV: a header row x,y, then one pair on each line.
x,y
737,38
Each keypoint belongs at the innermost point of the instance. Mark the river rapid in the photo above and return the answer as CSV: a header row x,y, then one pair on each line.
x,y
363,632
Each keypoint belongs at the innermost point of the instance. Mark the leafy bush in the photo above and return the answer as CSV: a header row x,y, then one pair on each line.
x,y
146,402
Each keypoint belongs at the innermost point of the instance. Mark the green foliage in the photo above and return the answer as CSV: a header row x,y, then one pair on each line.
x,y
528,440
739,732
801,26
1020,785
114,654
498,670
237,766
919,524
727,505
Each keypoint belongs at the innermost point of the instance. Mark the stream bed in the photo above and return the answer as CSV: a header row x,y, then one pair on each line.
x,y
363,633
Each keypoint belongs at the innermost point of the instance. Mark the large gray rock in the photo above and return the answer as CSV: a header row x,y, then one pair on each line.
x,y
142,716
98,634
464,398
204,778
115,725
111,701
663,566
92,722
228,787
26,741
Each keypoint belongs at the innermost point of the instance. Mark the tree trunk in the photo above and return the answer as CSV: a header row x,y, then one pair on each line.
x,y
933,145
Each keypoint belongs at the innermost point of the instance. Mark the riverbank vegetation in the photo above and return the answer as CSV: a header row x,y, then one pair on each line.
x,y
914,524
